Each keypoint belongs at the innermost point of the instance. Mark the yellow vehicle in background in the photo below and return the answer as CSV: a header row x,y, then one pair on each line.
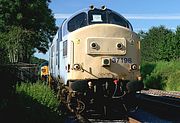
x,y
44,71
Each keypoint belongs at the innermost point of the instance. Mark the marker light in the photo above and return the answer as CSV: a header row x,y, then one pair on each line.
x,y
103,7
91,7
133,66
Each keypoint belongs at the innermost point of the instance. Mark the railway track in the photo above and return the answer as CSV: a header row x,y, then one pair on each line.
x,y
83,119
128,120
170,99
154,92
170,102
165,105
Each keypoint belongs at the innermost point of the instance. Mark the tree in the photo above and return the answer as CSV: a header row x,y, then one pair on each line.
x,y
157,44
17,44
176,47
32,16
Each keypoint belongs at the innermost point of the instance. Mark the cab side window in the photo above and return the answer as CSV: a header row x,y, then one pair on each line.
x,y
60,34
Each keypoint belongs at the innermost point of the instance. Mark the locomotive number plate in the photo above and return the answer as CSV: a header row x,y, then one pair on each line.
x,y
121,60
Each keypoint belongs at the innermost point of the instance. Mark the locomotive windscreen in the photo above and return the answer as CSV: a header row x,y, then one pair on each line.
x,y
97,16
107,16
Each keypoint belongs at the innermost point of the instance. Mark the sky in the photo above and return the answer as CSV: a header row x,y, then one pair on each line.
x,y
142,14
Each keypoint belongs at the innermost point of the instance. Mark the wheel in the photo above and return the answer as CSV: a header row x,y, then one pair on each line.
x,y
81,106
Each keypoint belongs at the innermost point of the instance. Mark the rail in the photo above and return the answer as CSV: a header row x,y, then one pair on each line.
x,y
161,103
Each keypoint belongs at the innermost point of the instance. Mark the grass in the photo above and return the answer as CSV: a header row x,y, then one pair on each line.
x,y
31,103
40,93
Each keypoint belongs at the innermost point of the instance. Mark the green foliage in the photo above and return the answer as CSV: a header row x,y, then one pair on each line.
x,y
160,44
173,82
160,53
19,44
154,81
3,49
40,93
33,19
162,75
147,68
176,49
27,102
37,103
35,60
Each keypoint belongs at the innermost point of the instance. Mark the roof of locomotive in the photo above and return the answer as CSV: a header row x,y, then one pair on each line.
x,y
86,10
64,25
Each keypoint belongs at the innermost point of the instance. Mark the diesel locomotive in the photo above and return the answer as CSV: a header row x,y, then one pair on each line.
x,y
94,58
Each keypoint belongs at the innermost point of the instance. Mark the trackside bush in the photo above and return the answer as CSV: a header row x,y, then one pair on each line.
x,y
161,75
173,82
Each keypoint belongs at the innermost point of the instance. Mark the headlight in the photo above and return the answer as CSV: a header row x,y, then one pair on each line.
x,y
134,67
77,67
106,61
